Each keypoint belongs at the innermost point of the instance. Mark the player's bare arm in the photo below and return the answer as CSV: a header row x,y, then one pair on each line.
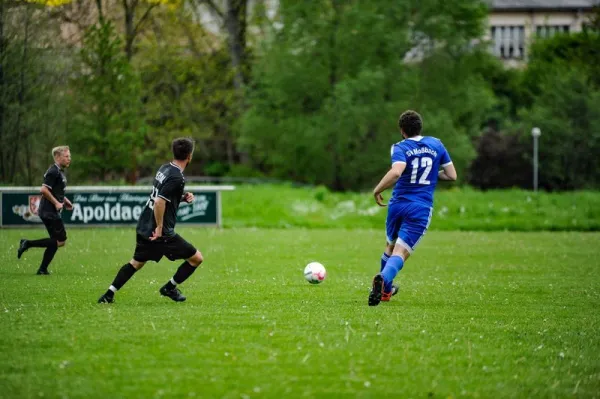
x,y
159,215
390,178
188,197
448,173
68,204
48,195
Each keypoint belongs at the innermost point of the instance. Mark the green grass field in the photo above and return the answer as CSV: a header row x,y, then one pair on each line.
x,y
455,209
483,315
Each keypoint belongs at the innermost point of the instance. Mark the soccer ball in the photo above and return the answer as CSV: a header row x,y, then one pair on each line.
x,y
315,273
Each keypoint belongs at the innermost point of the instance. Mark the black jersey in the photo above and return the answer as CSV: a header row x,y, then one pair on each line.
x,y
56,181
168,185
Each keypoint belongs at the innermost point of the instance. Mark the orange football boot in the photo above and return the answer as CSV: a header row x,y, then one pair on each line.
x,y
386,296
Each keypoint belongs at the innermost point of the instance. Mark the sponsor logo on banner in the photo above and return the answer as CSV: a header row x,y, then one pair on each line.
x,y
29,212
99,208
195,209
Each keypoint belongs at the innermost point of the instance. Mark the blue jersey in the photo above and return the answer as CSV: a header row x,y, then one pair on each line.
x,y
423,157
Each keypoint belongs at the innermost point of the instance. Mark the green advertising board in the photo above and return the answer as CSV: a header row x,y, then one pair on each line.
x,y
108,206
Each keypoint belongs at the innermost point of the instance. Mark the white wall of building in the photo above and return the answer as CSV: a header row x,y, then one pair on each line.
x,y
511,32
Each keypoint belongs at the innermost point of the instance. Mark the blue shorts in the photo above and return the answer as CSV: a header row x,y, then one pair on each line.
x,y
407,223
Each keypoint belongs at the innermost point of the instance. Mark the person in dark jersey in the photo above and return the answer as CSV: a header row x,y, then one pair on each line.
x,y
155,233
50,209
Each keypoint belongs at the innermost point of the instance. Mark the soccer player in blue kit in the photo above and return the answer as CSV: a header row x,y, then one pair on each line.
x,y
415,171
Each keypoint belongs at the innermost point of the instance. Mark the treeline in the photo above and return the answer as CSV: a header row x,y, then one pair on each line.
x,y
293,90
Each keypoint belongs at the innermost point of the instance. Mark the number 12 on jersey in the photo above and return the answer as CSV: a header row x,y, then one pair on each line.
x,y
424,162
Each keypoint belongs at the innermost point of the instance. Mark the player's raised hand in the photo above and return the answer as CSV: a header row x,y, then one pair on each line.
x,y
188,197
379,199
157,233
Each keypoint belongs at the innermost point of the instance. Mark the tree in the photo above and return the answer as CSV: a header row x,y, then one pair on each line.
x,y
577,50
32,114
82,14
567,110
562,86
330,83
188,90
133,27
232,20
108,127
232,17
502,161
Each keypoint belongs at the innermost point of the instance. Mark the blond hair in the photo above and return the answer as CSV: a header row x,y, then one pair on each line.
x,y
56,151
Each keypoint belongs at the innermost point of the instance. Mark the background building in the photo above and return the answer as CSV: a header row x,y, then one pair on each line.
x,y
514,23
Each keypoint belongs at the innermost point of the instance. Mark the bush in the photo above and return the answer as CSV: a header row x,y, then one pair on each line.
x,y
501,162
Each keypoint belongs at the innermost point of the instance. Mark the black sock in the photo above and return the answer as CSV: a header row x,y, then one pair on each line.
x,y
48,255
43,243
183,272
123,275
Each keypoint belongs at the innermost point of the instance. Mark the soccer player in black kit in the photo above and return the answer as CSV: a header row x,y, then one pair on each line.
x,y
156,235
51,205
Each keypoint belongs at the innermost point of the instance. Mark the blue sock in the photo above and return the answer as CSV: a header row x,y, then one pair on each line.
x,y
384,259
391,269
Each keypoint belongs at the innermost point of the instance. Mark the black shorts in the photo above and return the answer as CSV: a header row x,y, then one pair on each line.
x,y
173,248
56,229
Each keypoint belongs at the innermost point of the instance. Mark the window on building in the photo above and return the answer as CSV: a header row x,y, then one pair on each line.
x,y
508,42
550,30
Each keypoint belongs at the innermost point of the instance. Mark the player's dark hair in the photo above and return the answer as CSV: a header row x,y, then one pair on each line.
x,y
182,148
411,123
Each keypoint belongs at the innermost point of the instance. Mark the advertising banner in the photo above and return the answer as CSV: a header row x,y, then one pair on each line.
x,y
97,208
